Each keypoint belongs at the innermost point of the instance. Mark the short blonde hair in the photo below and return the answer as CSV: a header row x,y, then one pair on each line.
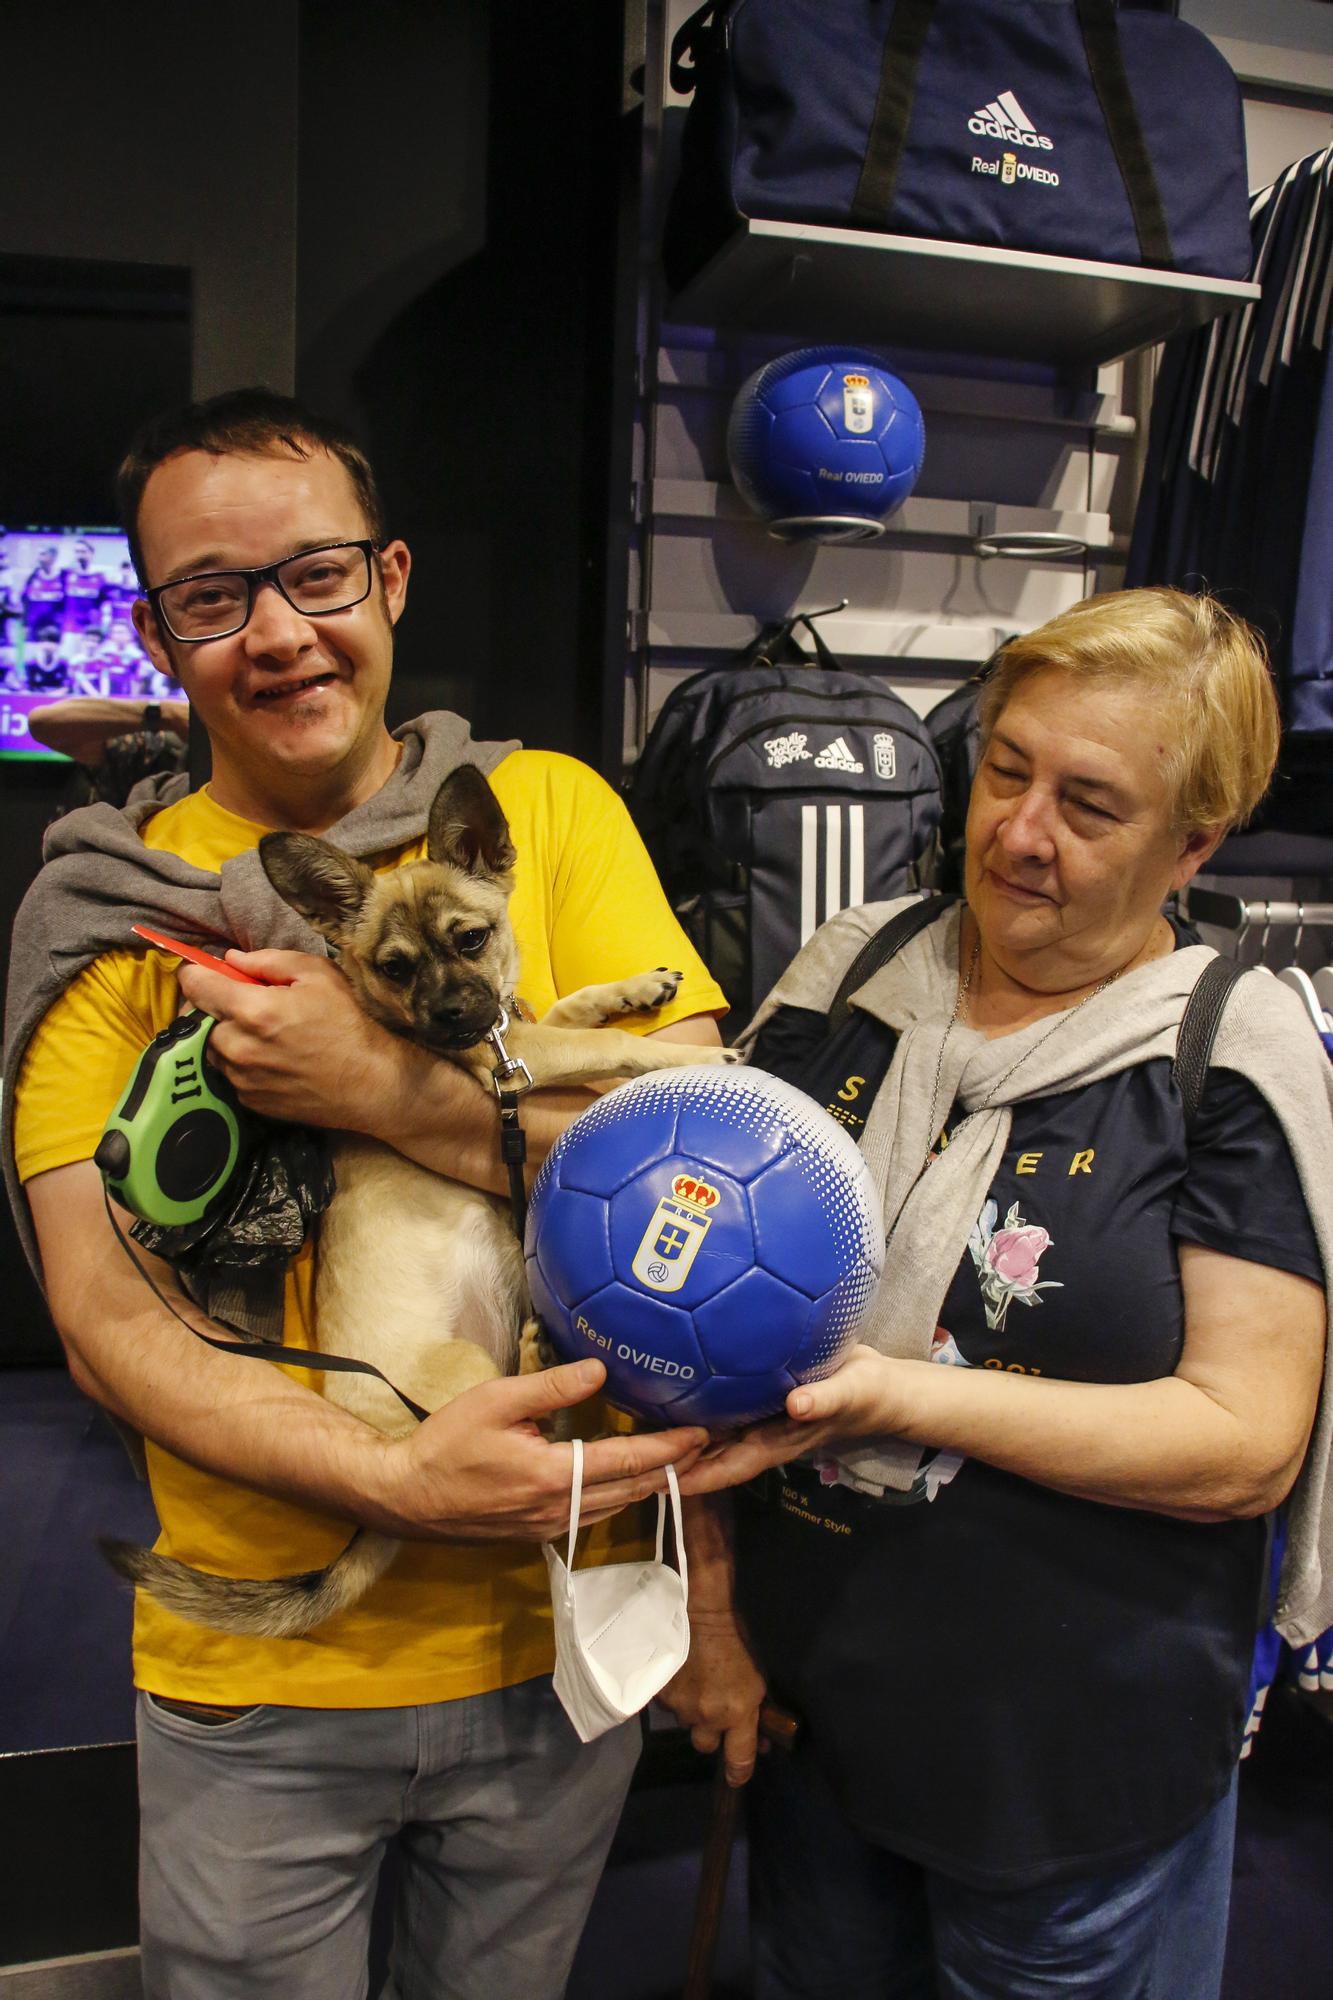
x,y
1206,667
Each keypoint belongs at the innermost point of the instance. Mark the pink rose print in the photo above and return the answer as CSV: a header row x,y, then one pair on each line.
x,y
1015,1253
1007,1262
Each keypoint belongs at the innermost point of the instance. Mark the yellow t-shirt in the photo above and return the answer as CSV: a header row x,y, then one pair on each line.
x,y
448,1619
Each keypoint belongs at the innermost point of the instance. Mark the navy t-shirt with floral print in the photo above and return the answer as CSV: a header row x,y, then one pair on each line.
x,y
999,1680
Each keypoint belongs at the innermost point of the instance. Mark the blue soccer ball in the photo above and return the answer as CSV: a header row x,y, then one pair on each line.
x,y
711,1235
825,444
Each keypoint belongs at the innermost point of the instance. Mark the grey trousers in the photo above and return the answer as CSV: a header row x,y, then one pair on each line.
x,y
262,1839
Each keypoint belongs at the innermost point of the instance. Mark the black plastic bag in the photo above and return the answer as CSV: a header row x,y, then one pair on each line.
x,y
284,1188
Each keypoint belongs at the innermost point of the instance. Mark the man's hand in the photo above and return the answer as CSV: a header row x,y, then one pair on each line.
x,y
718,1693
480,1470
299,1047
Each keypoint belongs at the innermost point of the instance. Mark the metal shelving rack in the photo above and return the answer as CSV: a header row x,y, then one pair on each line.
x,y
988,337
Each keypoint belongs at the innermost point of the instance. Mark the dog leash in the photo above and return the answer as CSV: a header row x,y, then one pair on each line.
x,y
263,1350
512,1080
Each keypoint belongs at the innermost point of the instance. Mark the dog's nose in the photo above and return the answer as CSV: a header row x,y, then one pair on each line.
x,y
448,1013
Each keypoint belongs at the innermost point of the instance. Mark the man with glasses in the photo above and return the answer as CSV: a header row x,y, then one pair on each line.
x,y
273,1773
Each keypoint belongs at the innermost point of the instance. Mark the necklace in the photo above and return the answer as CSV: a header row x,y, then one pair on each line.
x,y
1059,1022
964,988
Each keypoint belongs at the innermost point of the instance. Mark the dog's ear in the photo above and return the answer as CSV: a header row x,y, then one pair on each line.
x,y
468,827
317,880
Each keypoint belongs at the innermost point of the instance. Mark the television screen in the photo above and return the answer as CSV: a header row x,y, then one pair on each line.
x,y
66,627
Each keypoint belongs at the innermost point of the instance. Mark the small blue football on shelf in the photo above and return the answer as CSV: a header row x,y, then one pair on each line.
x,y
712,1236
825,444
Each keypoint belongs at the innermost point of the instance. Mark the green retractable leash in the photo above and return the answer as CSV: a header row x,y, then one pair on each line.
x,y
171,1153
178,1135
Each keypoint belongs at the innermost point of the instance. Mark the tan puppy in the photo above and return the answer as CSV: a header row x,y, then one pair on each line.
x,y
418,1274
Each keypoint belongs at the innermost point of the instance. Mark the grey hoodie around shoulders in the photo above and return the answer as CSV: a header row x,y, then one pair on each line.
x,y
99,878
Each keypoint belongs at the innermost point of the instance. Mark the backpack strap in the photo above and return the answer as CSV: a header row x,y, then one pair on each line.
x,y
1189,1072
1198,1032
879,949
778,645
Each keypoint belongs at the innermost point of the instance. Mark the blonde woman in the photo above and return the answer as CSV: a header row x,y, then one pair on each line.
x,y
1014,1597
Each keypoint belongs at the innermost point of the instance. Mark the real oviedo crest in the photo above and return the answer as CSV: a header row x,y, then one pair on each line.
x,y
676,1229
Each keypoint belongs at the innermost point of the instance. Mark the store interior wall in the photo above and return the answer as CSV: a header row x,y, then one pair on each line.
x,y
133,146
392,203
346,221
487,401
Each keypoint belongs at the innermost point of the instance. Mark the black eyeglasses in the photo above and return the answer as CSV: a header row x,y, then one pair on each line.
x,y
218,603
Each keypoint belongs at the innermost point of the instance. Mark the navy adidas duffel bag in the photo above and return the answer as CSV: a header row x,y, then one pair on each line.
x,y
1051,125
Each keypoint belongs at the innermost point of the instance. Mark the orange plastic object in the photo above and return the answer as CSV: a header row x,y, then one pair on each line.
x,y
196,956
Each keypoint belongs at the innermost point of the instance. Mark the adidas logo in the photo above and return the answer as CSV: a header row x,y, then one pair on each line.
x,y
1004,118
835,756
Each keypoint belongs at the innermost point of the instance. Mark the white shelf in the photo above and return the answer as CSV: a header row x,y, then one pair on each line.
x,y
917,519
854,638
809,282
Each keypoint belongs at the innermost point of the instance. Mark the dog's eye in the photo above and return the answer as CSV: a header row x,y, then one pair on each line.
x,y
397,967
471,944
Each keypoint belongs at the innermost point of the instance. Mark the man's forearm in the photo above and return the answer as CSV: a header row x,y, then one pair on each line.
x,y
237,1417
477,1469
439,1116
301,1050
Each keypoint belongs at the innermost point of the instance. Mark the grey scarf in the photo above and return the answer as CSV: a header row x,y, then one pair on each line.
x,y
929,1214
99,878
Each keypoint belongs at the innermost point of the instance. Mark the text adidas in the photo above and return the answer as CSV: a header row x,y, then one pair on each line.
x,y
991,128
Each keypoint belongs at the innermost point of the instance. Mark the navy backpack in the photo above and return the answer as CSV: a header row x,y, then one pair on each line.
x,y
1058,126
775,790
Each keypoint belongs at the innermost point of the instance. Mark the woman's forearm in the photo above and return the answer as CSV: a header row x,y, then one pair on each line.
x,y
1223,1437
1167,1446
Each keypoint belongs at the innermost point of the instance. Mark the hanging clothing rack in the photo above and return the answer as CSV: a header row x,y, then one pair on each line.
x,y
1240,913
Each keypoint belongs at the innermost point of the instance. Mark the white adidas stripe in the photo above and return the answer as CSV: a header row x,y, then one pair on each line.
x,y
832,860
1014,111
809,871
1006,110
816,910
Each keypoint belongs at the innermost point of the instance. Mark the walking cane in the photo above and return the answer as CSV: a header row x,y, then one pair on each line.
x,y
778,1728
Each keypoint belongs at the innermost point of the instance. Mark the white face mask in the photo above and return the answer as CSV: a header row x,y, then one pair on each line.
x,y
621,1631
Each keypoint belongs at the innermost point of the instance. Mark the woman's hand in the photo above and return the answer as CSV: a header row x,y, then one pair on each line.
x,y
718,1692
865,1397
